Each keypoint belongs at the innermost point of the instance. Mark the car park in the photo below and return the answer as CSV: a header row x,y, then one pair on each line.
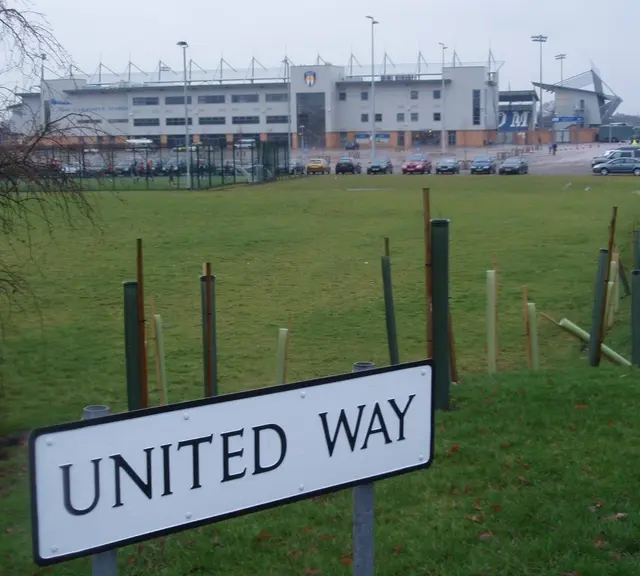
x,y
618,166
514,165
448,166
380,166
483,165
417,164
348,165
318,166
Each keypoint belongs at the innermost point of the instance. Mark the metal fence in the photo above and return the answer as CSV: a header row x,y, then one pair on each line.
x,y
203,167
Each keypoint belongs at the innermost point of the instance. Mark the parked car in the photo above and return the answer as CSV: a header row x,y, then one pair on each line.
x,y
380,166
348,165
514,165
417,164
619,166
318,166
296,167
352,145
622,152
448,166
483,165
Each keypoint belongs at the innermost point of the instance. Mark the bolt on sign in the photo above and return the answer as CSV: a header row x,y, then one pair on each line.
x,y
104,483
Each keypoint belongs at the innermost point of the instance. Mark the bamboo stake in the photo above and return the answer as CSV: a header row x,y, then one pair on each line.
x,y
426,200
527,327
533,331
209,328
491,322
495,267
603,315
287,348
142,329
154,335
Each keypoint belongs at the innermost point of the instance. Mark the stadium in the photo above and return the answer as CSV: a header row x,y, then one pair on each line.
x,y
322,106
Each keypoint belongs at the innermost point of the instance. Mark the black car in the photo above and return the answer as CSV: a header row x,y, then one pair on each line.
x,y
380,166
352,145
514,165
348,166
483,165
448,166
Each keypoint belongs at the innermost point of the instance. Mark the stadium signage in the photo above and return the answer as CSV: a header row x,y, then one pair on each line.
x,y
514,120
99,484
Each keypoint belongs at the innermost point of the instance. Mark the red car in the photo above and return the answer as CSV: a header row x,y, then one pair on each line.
x,y
417,164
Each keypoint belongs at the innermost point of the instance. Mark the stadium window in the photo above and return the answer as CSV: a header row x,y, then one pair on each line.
x,y
476,107
413,95
414,117
364,95
146,121
211,99
342,96
400,117
436,95
245,99
436,116
176,121
245,120
277,119
211,120
119,121
175,100
364,117
378,117
89,121
146,101
282,97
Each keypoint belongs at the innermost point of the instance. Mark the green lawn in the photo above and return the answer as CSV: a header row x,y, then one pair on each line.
x,y
517,468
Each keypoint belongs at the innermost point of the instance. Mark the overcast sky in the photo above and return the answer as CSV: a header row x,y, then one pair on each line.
x,y
586,30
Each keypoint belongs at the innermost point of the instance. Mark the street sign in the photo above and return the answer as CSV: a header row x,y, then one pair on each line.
x,y
568,119
100,484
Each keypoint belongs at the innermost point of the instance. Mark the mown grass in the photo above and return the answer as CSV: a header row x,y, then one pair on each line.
x,y
517,468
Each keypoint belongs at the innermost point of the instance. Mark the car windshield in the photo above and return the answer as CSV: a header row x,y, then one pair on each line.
x,y
447,161
344,160
380,161
315,161
482,159
416,158
512,161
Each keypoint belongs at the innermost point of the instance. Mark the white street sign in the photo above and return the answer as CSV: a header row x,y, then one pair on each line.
x,y
99,484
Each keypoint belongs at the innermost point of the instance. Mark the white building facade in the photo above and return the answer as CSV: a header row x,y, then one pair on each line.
x,y
323,106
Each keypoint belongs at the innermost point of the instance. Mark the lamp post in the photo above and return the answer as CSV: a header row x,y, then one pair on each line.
x,y
561,57
373,89
43,106
540,39
443,133
187,144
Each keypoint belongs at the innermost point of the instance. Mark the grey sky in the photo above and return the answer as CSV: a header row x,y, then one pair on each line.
x,y
94,30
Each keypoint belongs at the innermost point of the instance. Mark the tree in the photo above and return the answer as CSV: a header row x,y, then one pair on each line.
x,y
32,188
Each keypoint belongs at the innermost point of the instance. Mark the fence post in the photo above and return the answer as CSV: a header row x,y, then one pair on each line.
x,y
635,317
636,250
440,311
363,515
389,309
132,345
598,303
104,563
209,341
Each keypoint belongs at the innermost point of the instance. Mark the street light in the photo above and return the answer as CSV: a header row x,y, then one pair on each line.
x,y
443,141
561,57
187,144
373,90
540,39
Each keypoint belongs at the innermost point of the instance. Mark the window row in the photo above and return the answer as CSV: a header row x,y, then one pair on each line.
x,y
210,99
415,117
211,120
413,95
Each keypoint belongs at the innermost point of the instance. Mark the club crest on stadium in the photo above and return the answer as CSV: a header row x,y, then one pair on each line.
x,y
309,78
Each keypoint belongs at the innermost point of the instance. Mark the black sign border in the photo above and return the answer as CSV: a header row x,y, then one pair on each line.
x,y
40,561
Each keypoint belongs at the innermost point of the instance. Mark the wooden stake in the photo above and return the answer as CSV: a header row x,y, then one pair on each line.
x,y
612,235
427,269
209,327
142,329
527,328
547,317
495,267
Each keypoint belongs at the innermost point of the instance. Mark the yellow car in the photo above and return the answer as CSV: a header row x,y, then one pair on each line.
x,y
318,166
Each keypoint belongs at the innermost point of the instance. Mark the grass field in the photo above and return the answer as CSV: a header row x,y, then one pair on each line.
x,y
533,476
